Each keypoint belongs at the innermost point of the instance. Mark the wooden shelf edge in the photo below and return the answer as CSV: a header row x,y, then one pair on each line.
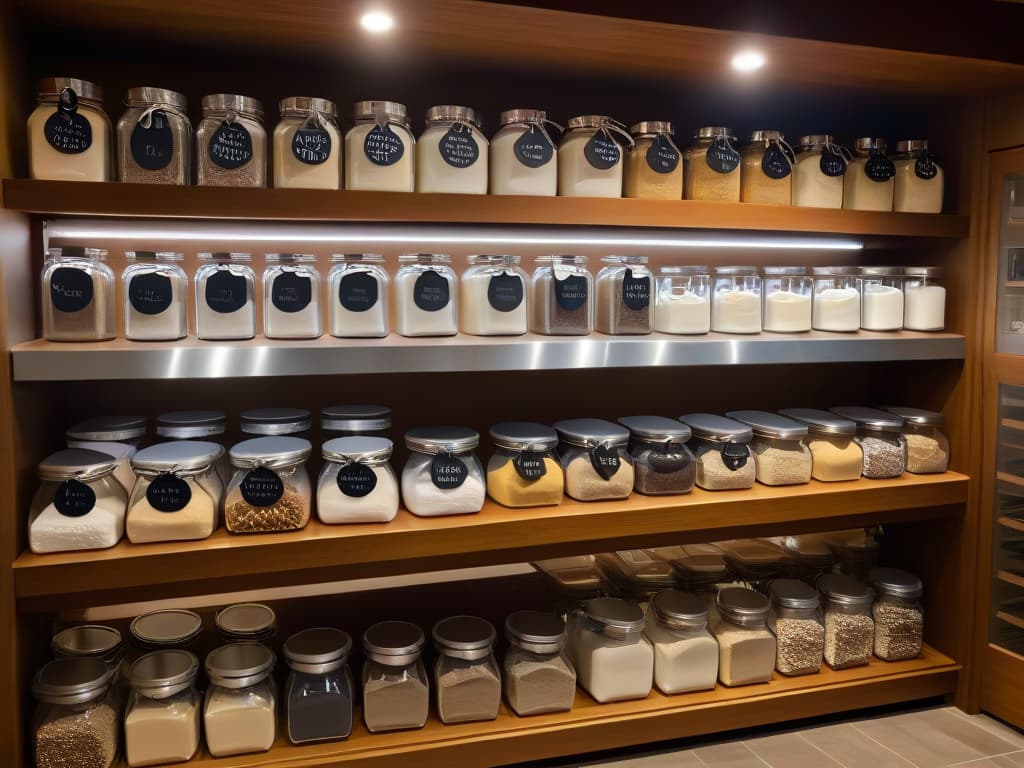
x,y
1010,578
1010,618
1009,522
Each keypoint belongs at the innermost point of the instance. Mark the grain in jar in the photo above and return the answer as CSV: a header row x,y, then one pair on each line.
x,y
231,144
722,449
225,297
291,297
879,435
357,296
597,464
76,721
654,164
662,464
799,634
614,660
380,150
590,160
623,296
307,144
787,300
818,172
162,721
836,303
443,475
396,689
356,420
682,302
767,170
868,183
154,138
881,298
849,628
466,674
357,483
746,648
920,181
270,490
240,711
77,295
493,296
539,677
523,159
736,300
426,290
525,470
155,296
69,134
452,153
927,446
780,455
685,652
836,455
713,169
898,614
117,436
561,296
925,299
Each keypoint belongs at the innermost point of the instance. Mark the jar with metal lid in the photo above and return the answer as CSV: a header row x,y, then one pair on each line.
x,y
767,176
357,296
155,296
623,296
868,184
856,551
247,623
291,297
796,624
635,574
879,435
451,154
685,652
919,182
654,165
849,628
225,297
426,289
836,299
898,614
357,483
722,450
307,144
117,436
276,422
197,425
682,300
380,148
270,490
522,153
396,689
231,144
614,660
320,691
713,166
69,134
590,157
442,475
355,421
525,470
818,172
76,720
161,723
927,446
835,455
736,300
539,677
240,712
925,299
77,295
89,641
662,464
787,300
597,462
466,673
881,298
154,138
561,296
746,647
493,300
165,630
780,455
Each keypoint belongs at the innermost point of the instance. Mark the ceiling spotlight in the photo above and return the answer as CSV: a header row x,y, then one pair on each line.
x,y
747,61
377,22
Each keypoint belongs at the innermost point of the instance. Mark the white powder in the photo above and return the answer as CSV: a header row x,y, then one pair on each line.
x,y
735,311
862,193
100,528
378,506
925,308
168,325
682,313
161,731
214,325
477,316
881,308
435,174
196,520
369,317
424,498
363,173
914,194
577,177
289,171
811,187
239,721
123,452
509,176
683,661
746,655
410,320
787,312
613,670
306,323
837,309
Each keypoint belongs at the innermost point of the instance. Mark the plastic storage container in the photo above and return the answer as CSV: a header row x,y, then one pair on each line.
x,y
868,184
836,299
76,714
795,621
270,490
662,464
426,289
69,134
700,568
276,422
654,164
155,296
836,456
746,648
919,182
357,483
380,150
291,297
561,296
154,138
355,421
614,660
523,156
493,297
881,298
925,299
396,690
225,297
117,436
767,171
879,435
572,581
756,563
713,166
818,172
590,160
898,614
849,628
736,300
240,712
539,677
442,475
636,574
246,623
307,144
525,470
787,300
357,296
682,302
927,446
856,552
162,721
466,673
231,144
77,296
810,556
685,652
780,455
452,153
597,464
722,449
624,296
319,693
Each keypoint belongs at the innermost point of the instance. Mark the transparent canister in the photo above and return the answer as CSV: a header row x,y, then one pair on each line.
x,y
836,455
539,677
319,693
270,490
466,674
767,169
614,660
624,296
117,436
380,150
357,296
561,296
154,138
869,181
654,164
880,437
685,652
780,455
426,289
849,628
452,152
493,296
155,296
818,172
197,425
443,475
682,302
162,720
307,144
77,295
662,464
836,299
240,711
69,134
523,159
795,621
231,144
787,300
636,574
225,297
920,180
596,459
357,483
736,300
925,296
898,614
746,647
927,445
881,298
291,297
713,166
396,689
590,160
722,449
524,470
76,716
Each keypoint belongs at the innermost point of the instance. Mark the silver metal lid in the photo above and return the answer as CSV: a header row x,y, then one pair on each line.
x,y
224,257
916,416
586,433
85,640
659,429
680,610
767,424
447,113
184,455
870,418
524,436
923,271
714,132
785,271
895,582
173,626
816,140
464,637
588,121
689,269
494,259
433,440
239,665
162,674
565,258
229,102
366,450
146,95
536,631
614,617
821,422
881,271
76,252
510,116
394,643
276,421
648,127
72,680
424,258
710,426
358,258
355,418
307,104
289,258
868,144
830,271
735,270
791,593
758,136
911,145
246,620
154,257
270,452
191,424
76,464
392,111
639,261
52,86
844,590
743,607
317,651
108,429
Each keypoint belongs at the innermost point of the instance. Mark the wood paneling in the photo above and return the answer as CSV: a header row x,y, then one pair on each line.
x,y
1002,672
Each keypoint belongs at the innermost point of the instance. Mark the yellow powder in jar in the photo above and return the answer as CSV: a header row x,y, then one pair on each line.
x,y
757,187
507,487
705,183
836,459
643,182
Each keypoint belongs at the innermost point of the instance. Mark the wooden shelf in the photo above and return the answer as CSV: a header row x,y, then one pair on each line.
x,y
1010,618
1011,578
1009,522
1013,423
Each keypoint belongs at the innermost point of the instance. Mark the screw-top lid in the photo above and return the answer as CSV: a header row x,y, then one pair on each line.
x,y
239,665
614,617
276,421
433,440
505,260
464,637
935,272
51,87
76,464
355,418
588,121
447,113
108,429
916,416
162,674
392,111
657,429
685,270
785,271
680,610
524,436
648,127
870,419
172,627
911,145
791,593
735,271
394,643
759,136
76,252
844,590
710,426
229,102
833,271
307,104
743,607
358,258
270,452
881,271
184,456
895,583
72,681
146,95
224,257
536,631
424,258
771,425
586,433
246,621
317,651
714,132
87,640
510,116
821,422
191,425
867,144
814,141
365,450
564,259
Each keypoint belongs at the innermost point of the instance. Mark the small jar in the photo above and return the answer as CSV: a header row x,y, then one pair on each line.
x,y
818,172
320,691
155,296
426,288
442,475
466,673
787,300
240,713
713,166
69,134
307,144
836,455
154,138
357,296
539,677
636,575
662,464
614,660
746,648
849,628
523,155
654,165
767,177
231,144
561,296
596,459
780,455
685,652
355,421
161,723
682,301
165,630
879,435
270,490
357,483
396,690
247,623
493,297
380,148
276,422
836,299
925,294
77,295
722,450
736,300
291,297
590,157
225,297
624,296
881,298
524,470
868,184
795,622
927,446
451,154
117,436
898,614
920,181
75,706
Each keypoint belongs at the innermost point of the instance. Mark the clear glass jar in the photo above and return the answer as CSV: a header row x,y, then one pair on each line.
x,y
835,454
523,155
240,712
624,296
787,300
614,660
442,475
154,138
767,177
722,450
780,455
662,464
247,623
396,690
77,295
231,144
796,624
426,289
169,629
291,297
451,154
276,422
539,677
355,421
685,652
155,296
524,470
920,181
836,299
270,490
319,695
561,296
307,144
161,723
849,628
654,164
357,483
818,172
96,641
879,437
75,710
117,436
898,614
225,297
466,674
927,446
357,291
925,299
380,149
746,647
869,181
69,134
597,464
682,302
493,300
881,298
736,301
590,157
713,166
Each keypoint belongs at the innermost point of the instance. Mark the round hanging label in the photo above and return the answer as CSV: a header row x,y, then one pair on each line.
x,y
775,164
571,292
291,292
74,498
66,130
530,465
150,294
924,167
533,148
662,157
505,292
448,472
356,480
358,291
602,152
226,292
261,487
832,162
735,456
879,167
382,146
168,493
672,460
70,289
458,147
722,156
605,460
636,291
311,144
431,292
230,146
152,141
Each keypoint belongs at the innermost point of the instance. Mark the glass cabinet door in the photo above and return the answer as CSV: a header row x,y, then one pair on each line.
x,y
1007,606
1010,309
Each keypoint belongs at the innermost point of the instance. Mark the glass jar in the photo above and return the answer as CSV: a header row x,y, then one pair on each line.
x,y
357,291
799,634
780,455
685,652
442,475
849,628
614,660
635,574
682,302
177,494
355,421
787,300
69,133
713,166
539,677
291,297
75,711
493,300
590,157
898,614
77,295
868,184
919,183
161,723
276,422
451,154
380,148
225,297
835,455
927,446
836,299
879,435
722,450
524,470
595,455
736,301
767,176
307,144
89,641
425,295
357,483
818,172
466,673
654,167
856,551
523,155
155,296
320,691
746,648
117,436
396,690
925,294
624,296
240,712
270,490
197,425
561,296
662,464
881,298
247,623
154,138
165,630
231,144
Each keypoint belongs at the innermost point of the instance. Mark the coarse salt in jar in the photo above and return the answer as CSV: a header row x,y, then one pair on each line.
x,y
396,689
154,138
231,144
355,421
357,296
795,622
225,297
919,184
426,289
881,298
868,184
836,455
780,455
849,628
69,134
722,449
767,173
590,160
117,436
240,712
654,165
77,295
879,435
818,172
561,296
685,652
539,677
291,297
270,490
682,301
451,154
525,470
442,475
155,296
927,446
925,299
596,458
623,296
523,159
357,483
493,297
898,614
307,144
736,300
713,166
746,648
662,464
466,673
836,304
380,150
787,300
614,660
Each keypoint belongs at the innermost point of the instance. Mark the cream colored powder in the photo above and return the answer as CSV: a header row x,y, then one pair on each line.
x,y
158,732
835,459
195,521
584,484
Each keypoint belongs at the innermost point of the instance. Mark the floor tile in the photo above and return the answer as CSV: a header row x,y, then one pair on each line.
x,y
1014,760
733,755
789,750
921,741
851,748
971,734
993,726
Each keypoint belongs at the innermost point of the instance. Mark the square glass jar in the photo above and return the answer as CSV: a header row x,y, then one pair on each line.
x,y
77,298
155,296
561,296
291,297
357,296
270,490
624,296
225,297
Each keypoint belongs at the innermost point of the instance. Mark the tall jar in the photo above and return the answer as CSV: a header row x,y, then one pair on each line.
x,y
780,455
596,458
357,296
396,689
154,138
682,302
614,660
69,134
466,674
868,184
276,422
525,470
920,181
795,622
767,176
247,623
291,297
787,300
161,723
662,464
357,483
925,299
355,421
736,300
835,455
493,297
685,652
713,166
240,712
654,165
849,628
231,144
426,288
818,172
117,436
561,296
898,614
380,150
927,446
722,449
270,490
77,295
75,710
319,693
225,297
442,475
746,648
307,144
881,298
155,296
523,160
590,157
539,677
880,437
451,154
624,296
836,299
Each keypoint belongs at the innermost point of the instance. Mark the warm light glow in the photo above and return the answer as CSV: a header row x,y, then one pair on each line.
x,y
747,61
377,22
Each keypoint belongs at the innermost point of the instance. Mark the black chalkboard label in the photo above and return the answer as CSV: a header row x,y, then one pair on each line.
x,y
356,480
775,164
291,292
311,144
261,487
879,167
74,498
70,289
530,465
671,459
448,472
150,294
571,292
230,146
722,156
636,291
358,291
605,461
226,292
602,152
505,292
382,146
533,148
662,157
66,130
925,167
152,141
431,292
458,147
735,455
832,162
168,493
